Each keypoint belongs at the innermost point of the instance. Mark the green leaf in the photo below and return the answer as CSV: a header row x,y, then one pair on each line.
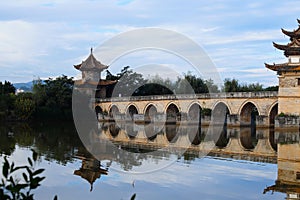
x,y
133,196
18,187
17,168
38,172
29,171
34,155
12,181
12,167
30,162
35,182
5,168
25,177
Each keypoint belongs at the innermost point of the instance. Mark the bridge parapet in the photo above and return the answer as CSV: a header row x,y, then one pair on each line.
x,y
262,94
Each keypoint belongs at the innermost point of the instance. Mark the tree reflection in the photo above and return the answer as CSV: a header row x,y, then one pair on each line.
x,y
7,142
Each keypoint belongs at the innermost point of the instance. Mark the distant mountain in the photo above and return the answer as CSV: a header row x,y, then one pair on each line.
x,y
24,86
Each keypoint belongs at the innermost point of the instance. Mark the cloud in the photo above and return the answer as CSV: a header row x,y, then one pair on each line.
x,y
50,37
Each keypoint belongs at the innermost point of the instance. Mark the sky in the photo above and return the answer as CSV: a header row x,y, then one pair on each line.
x,y
41,39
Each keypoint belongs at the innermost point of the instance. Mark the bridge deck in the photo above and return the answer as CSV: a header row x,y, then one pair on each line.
x,y
244,95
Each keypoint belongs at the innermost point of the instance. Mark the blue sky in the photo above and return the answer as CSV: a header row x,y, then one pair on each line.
x,y
46,38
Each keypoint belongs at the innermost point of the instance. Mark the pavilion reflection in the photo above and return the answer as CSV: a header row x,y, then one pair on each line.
x,y
288,162
91,169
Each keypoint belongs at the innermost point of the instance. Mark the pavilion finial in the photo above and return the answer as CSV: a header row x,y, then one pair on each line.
x,y
91,50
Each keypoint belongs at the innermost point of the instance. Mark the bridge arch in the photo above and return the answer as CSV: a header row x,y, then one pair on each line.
x,y
194,135
221,102
131,110
194,111
130,132
171,131
273,111
248,112
248,138
168,105
113,111
150,111
220,112
98,110
114,130
173,112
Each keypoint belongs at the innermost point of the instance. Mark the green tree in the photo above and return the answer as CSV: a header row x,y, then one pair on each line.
x,y
53,97
212,87
190,84
231,85
39,92
7,98
7,88
272,88
59,92
128,82
24,106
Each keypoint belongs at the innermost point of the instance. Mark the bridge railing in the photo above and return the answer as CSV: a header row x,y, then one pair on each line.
x,y
263,94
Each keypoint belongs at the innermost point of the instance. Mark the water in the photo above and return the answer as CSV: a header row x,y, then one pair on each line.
x,y
72,173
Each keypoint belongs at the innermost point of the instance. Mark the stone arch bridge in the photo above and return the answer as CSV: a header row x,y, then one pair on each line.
x,y
233,109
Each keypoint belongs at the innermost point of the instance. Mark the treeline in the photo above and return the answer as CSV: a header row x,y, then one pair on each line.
x,y
134,84
49,99
233,85
52,98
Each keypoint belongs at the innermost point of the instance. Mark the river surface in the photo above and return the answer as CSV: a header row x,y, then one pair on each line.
x,y
73,173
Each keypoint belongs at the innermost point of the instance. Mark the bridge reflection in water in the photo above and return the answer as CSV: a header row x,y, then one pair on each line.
x,y
259,145
242,143
288,163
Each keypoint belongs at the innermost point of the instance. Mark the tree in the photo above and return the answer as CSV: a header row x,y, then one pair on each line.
x,y
24,106
59,92
128,82
53,97
272,88
7,98
231,85
213,88
7,88
39,92
190,84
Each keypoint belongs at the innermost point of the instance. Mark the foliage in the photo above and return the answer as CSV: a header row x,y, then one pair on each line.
x,y
206,112
128,82
24,106
7,98
39,92
272,88
53,97
12,188
233,85
59,92
134,84
287,115
7,88
133,196
190,84
212,87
